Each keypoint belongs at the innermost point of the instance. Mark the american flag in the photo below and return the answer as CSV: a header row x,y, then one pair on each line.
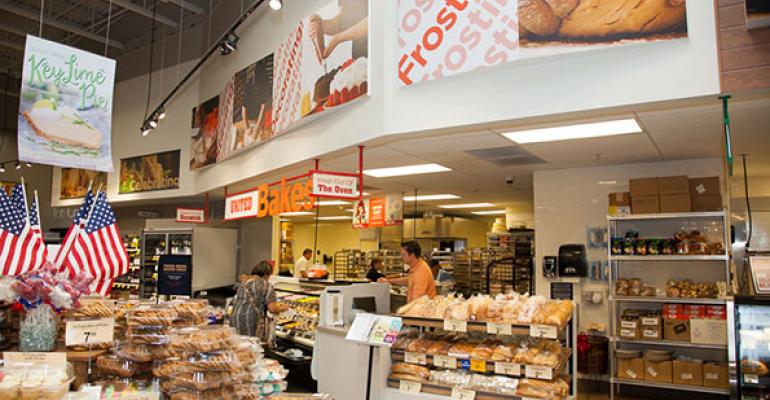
x,y
77,224
22,243
98,249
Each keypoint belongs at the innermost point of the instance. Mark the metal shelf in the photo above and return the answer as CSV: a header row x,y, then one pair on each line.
x,y
669,343
678,300
685,215
671,386
722,257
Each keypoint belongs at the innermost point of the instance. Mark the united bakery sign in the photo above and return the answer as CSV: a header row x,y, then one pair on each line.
x,y
294,194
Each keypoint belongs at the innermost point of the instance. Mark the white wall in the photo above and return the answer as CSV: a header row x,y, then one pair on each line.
x,y
590,80
568,201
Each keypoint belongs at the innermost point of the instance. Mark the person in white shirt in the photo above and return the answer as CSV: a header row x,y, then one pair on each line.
x,y
303,264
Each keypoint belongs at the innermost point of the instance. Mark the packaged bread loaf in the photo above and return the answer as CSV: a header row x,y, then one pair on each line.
x,y
202,339
403,371
152,315
502,353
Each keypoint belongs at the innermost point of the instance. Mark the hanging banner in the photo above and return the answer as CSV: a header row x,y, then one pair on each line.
x,y
65,108
377,212
252,108
242,205
442,38
149,172
74,182
191,215
205,134
335,185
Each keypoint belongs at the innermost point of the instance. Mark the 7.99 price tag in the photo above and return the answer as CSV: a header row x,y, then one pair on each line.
x,y
83,333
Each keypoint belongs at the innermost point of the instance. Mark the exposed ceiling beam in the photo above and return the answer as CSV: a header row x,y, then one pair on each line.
x,y
187,5
11,45
59,25
14,30
128,5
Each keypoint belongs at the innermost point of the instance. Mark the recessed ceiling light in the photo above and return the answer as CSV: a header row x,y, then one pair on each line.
x,y
469,205
406,170
494,212
297,213
431,197
332,203
337,218
570,132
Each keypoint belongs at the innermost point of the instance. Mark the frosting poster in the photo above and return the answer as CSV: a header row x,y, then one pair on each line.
x,y
323,64
442,38
65,110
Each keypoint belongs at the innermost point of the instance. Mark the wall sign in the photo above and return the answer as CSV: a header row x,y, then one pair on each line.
x,y
335,185
75,181
191,215
150,172
65,109
175,275
378,211
443,38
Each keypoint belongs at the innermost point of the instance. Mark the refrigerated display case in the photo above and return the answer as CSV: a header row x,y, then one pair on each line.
x,y
749,318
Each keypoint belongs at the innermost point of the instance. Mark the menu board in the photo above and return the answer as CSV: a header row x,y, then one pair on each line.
x,y
377,212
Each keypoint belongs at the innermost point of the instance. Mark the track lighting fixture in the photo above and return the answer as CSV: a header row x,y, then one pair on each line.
x,y
18,165
276,4
161,113
153,124
229,44
28,165
2,168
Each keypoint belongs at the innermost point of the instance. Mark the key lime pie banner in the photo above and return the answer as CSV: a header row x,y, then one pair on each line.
x,y
321,66
65,111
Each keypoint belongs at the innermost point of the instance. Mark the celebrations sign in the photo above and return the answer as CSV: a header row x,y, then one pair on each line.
x,y
443,38
149,172
65,109
378,211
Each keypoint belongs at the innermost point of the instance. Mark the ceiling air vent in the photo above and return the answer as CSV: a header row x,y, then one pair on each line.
x,y
509,156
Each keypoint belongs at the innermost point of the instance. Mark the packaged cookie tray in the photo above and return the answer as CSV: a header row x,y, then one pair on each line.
x,y
116,366
220,393
257,391
34,384
133,352
224,361
196,381
203,339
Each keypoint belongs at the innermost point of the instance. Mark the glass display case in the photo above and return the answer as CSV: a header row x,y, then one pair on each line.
x,y
750,356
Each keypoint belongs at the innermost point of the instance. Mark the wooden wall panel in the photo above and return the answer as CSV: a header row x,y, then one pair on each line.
x,y
744,54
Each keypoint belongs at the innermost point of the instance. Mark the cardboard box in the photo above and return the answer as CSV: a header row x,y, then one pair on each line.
x,y
658,371
619,204
708,331
631,368
707,203
673,203
645,204
676,329
651,333
673,185
688,372
715,375
705,187
643,187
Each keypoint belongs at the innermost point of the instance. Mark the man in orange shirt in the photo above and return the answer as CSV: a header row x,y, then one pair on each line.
x,y
419,280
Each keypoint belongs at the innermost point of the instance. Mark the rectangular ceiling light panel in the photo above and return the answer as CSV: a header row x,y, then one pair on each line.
x,y
572,132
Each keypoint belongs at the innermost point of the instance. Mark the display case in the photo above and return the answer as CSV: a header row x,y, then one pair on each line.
x,y
749,319
298,324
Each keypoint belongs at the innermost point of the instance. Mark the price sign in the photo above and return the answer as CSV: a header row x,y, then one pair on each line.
x,y
455,326
543,331
499,329
409,387
538,372
463,394
83,333
416,358
50,360
504,368
445,362
478,365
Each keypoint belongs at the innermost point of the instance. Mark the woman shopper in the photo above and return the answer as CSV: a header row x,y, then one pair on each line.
x,y
254,303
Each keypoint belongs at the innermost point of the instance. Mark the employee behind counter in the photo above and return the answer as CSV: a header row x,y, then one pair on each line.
x,y
419,279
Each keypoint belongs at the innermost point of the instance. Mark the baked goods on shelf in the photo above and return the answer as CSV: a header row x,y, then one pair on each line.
x,y
202,339
754,367
688,289
150,315
409,372
510,308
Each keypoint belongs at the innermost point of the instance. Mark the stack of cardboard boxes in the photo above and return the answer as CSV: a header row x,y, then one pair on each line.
x,y
661,366
669,194
695,323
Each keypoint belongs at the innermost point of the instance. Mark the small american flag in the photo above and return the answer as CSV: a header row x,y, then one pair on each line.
x,y
77,224
98,249
22,243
